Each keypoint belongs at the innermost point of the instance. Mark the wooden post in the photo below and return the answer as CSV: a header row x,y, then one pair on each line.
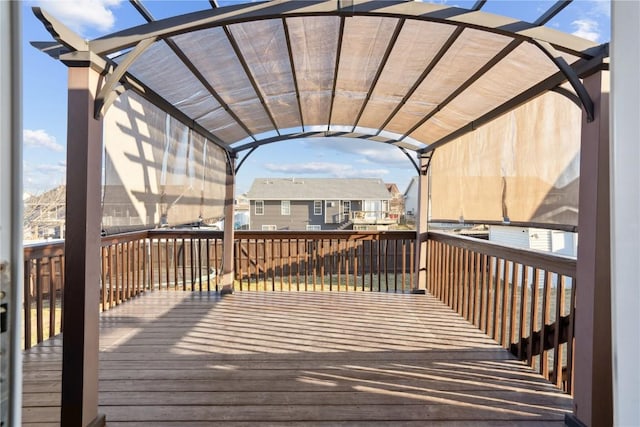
x,y
228,275
593,389
422,226
82,248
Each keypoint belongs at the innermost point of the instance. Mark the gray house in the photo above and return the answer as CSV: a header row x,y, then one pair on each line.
x,y
319,204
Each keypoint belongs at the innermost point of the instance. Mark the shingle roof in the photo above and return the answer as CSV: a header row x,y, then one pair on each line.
x,y
318,189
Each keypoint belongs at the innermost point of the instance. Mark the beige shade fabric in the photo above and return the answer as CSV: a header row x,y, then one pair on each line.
x,y
521,168
413,74
157,172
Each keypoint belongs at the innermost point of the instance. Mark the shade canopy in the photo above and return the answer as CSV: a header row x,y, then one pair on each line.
x,y
407,73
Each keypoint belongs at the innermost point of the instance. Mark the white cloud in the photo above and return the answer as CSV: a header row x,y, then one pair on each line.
x,y
40,138
601,8
81,15
367,151
43,176
587,29
335,170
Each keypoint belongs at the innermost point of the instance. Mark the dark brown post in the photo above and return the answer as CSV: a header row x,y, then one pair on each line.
x,y
82,247
421,226
593,388
228,275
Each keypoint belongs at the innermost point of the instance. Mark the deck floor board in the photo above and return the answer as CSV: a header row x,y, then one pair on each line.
x,y
179,358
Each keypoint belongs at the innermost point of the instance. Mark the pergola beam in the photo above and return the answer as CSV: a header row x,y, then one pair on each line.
x,y
552,12
383,63
464,86
314,134
571,76
282,9
293,70
478,5
434,61
194,70
582,68
252,80
335,71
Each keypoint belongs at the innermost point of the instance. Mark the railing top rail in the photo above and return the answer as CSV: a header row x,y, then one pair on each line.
x,y
43,249
529,257
124,237
185,233
337,234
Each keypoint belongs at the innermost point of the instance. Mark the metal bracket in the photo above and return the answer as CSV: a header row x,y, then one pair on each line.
x,y
571,76
411,158
112,87
245,158
424,168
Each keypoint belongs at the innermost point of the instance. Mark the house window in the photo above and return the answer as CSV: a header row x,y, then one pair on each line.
x,y
259,209
313,228
346,209
269,228
385,206
317,207
285,207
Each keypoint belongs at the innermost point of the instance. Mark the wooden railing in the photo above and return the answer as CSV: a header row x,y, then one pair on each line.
x,y
185,259
124,273
134,263
43,291
523,299
325,261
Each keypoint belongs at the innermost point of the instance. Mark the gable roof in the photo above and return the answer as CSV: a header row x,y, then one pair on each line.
x,y
318,189
414,181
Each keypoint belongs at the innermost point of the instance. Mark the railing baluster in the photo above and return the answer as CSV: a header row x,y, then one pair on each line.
x,y
514,304
111,272
505,302
546,313
524,297
570,327
557,352
28,280
534,314
39,334
103,288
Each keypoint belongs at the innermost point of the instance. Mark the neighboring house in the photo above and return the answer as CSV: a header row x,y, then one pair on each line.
x,y
396,205
44,215
241,212
319,204
411,199
555,241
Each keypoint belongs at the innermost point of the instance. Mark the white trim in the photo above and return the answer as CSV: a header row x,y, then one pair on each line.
x,y
255,207
315,211
285,207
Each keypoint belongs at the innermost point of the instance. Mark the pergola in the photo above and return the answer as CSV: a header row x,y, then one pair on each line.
x,y
410,74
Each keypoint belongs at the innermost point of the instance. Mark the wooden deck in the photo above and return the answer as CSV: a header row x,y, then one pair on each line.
x,y
192,359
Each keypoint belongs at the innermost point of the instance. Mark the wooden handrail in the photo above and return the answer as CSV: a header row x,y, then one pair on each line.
x,y
523,299
543,260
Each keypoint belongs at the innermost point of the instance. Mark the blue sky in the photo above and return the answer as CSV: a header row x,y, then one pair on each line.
x,y
45,80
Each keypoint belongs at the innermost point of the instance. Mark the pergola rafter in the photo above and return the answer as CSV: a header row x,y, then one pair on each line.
x,y
553,43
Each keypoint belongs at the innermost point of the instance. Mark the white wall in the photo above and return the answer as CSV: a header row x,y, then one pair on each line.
x,y
411,197
510,236
11,251
555,241
625,211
